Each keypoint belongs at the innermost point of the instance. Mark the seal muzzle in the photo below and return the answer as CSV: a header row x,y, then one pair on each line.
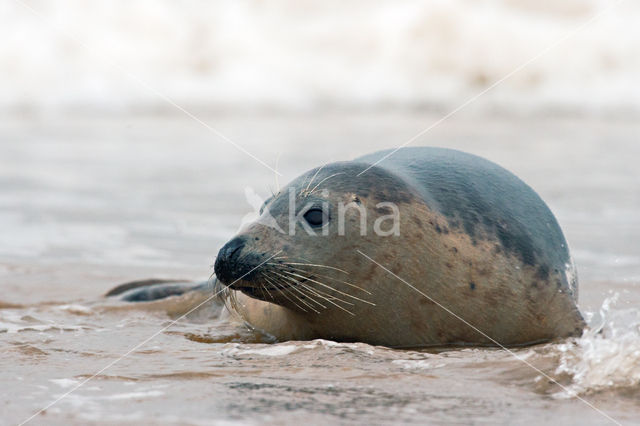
x,y
228,266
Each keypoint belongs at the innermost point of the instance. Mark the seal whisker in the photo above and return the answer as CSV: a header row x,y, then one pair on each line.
x,y
282,291
289,288
307,264
295,287
232,300
330,277
328,300
312,291
296,283
311,181
262,286
331,288
323,293
324,180
308,296
315,290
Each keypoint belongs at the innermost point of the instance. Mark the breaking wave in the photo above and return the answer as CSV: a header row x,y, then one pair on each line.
x,y
606,357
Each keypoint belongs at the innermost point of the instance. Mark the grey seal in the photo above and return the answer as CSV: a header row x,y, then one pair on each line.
x,y
455,250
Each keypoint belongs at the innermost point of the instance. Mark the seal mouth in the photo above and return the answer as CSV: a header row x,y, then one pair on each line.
x,y
295,288
249,291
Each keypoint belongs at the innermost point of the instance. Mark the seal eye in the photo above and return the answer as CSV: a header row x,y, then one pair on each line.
x,y
314,217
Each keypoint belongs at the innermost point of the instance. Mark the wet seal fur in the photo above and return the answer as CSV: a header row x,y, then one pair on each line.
x,y
473,237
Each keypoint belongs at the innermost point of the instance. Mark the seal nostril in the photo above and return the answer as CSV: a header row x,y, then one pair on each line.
x,y
234,251
232,248
226,261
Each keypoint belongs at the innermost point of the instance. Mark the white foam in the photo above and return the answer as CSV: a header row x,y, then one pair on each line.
x,y
133,395
605,357
417,364
76,309
273,350
64,383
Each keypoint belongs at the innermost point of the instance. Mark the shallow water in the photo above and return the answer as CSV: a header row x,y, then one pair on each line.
x,y
87,204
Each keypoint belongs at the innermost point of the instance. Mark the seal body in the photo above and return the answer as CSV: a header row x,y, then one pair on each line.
x,y
453,250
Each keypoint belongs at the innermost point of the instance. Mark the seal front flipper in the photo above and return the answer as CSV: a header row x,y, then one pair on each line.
x,y
156,289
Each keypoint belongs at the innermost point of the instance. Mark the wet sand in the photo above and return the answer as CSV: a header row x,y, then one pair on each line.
x,y
88,203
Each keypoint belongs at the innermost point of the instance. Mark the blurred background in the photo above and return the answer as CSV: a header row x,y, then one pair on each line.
x,y
59,57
